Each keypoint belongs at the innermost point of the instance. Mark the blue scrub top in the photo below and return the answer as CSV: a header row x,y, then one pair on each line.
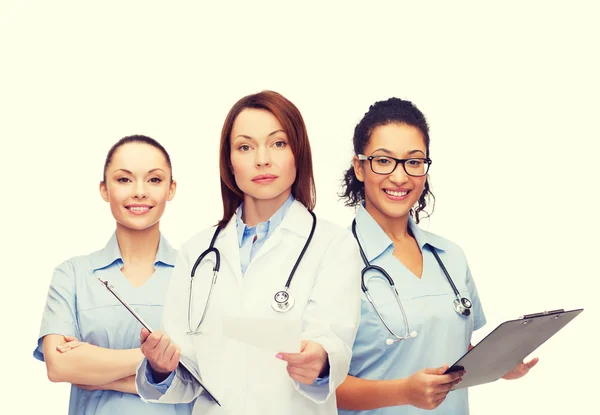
x,y
79,305
443,335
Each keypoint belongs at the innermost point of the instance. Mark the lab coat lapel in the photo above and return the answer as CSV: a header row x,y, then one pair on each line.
x,y
297,220
227,243
270,243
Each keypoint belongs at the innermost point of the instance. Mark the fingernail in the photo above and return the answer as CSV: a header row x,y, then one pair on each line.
x,y
279,355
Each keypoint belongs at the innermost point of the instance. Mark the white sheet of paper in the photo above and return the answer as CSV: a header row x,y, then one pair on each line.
x,y
271,334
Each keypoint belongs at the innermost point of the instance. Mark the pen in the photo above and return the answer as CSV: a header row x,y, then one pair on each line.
x,y
147,327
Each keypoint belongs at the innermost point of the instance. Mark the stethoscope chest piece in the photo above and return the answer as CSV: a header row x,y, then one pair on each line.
x,y
462,306
282,301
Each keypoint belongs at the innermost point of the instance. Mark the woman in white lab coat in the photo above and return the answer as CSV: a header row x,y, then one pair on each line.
x,y
268,194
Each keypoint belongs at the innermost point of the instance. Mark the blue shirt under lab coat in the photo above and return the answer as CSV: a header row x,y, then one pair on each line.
x,y
443,335
79,305
250,247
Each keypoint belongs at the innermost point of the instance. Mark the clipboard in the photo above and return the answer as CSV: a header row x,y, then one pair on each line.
x,y
183,361
509,343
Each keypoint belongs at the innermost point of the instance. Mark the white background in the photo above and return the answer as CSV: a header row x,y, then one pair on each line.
x,y
510,91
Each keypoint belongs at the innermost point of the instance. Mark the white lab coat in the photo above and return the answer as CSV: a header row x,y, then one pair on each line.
x,y
246,379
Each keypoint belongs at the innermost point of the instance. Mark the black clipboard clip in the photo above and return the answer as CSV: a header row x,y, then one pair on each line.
x,y
147,327
543,313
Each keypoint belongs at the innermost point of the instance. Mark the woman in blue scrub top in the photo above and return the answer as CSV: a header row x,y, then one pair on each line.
x,y
87,338
388,183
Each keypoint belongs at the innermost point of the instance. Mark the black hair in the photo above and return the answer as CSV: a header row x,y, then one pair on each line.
x,y
390,111
136,139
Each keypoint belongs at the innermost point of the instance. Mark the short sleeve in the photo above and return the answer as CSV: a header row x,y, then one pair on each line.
x,y
478,314
60,314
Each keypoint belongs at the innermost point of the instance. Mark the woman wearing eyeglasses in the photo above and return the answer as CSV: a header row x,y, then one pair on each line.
x,y
408,335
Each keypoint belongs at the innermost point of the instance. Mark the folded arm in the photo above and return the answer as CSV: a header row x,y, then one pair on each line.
x,y
88,364
125,385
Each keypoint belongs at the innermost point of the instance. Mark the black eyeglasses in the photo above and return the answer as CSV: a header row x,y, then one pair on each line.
x,y
416,167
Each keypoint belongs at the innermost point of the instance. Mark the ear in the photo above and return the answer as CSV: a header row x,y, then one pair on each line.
x,y
172,189
104,191
358,169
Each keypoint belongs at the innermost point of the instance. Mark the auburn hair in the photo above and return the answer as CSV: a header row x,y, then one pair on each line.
x,y
293,125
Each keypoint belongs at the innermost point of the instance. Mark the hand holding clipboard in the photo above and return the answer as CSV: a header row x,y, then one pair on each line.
x,y
508,344
181,363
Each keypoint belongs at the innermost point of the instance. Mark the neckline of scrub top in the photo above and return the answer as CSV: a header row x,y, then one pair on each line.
x,y
111,252
375,241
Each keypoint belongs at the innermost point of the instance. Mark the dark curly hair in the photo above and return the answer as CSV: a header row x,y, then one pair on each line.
x,y
391,111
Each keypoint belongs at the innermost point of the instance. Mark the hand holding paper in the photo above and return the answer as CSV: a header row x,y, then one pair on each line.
x,y
305,367
306,359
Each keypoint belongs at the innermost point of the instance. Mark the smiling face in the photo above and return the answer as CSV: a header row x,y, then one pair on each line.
x,y
137,186
261,158
392,195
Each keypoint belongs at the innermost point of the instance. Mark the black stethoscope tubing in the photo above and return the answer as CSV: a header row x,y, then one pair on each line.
x,y
278,304
461,305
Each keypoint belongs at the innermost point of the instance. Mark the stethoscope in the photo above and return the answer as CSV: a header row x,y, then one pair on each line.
x,y
461,305
282,300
